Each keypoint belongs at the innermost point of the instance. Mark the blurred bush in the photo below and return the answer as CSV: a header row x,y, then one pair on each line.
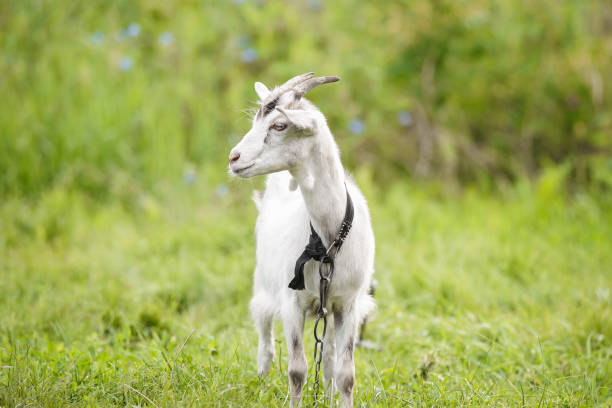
x,y
101,95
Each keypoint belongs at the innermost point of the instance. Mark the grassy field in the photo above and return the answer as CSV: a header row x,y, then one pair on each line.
x,y
482,301
126,255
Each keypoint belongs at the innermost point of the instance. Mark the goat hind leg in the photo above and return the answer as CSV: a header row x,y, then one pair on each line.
x,y
329,357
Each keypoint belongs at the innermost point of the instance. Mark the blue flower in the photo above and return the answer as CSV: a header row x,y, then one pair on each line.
x,y
97,38
249,55
166,38
315,5
356,126
222,190
133,30
125,63
404,118
190,177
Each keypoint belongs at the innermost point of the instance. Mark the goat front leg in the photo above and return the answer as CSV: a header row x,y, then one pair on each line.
x,y
293,324
345,322
265,349
264,321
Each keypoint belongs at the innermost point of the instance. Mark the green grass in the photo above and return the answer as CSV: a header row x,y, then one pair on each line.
x,y
482,301
118,289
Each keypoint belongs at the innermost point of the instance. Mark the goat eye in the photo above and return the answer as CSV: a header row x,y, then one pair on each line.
x,y
278,126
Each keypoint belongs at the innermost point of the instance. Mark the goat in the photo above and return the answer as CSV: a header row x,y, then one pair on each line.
x,y
290,141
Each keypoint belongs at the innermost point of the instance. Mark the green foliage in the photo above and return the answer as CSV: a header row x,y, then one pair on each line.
x,y
104,95
121,286
482,301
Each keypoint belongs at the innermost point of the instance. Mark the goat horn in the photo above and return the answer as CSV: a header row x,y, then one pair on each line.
x,y
302,88
286,87
297,80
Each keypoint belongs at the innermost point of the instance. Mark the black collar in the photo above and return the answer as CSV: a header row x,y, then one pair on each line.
x,y
317,251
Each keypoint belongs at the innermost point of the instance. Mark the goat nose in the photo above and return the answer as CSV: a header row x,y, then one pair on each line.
x,y
233,157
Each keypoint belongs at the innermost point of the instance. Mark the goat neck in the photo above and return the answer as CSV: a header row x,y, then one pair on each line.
x,y
322,184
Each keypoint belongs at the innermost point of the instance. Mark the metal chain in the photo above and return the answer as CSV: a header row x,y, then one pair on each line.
x,y
318,356
324,283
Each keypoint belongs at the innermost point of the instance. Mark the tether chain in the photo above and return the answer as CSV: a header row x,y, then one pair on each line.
x,y
322,314
325,281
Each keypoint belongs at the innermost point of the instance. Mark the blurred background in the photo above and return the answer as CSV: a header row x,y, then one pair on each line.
x,y
480,131
101,96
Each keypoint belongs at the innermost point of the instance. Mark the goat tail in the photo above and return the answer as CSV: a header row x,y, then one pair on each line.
x,y
365,305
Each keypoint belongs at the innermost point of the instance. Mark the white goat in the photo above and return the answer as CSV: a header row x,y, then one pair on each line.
x,y
290,141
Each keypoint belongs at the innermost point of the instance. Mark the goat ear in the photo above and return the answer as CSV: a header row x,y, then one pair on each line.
x,y
299,118
262,91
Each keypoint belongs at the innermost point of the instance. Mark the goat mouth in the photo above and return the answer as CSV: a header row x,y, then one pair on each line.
x,y
240,170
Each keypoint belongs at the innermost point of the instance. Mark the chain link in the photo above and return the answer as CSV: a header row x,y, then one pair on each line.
x,y
324,283
318,356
